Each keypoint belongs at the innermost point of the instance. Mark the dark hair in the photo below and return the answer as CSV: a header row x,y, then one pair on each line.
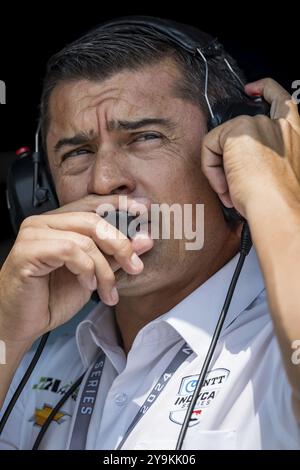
x,y
101,53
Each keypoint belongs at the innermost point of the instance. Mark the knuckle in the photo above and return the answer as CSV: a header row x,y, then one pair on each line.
x,y
67,247
244,121
94,220
87,244
26,232
107,277
124,248
17,250
24,273
269,80
29,221
89,265
262,119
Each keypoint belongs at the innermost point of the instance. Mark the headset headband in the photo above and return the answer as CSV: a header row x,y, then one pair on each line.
x,y
184,36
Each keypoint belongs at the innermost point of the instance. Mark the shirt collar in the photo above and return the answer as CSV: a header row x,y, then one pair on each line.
x,y
98,329
194,318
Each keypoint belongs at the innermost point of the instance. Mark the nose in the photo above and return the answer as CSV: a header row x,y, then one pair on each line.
x,y
111,175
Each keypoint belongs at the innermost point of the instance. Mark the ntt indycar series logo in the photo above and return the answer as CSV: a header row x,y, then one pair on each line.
x,y
215,380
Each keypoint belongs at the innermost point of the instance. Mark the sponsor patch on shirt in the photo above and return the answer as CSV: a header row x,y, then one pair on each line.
x,y
214,381
54,385
41,414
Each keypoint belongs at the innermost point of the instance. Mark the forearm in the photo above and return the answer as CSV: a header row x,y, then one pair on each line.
x,y
275,227
11,358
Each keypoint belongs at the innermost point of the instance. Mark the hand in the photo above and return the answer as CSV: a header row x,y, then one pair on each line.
x,y
248,158
58,260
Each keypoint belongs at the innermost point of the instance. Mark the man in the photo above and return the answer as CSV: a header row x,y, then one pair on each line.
x,y
125,115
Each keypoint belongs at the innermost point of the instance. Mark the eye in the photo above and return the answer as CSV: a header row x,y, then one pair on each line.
x,y
76,153
147,136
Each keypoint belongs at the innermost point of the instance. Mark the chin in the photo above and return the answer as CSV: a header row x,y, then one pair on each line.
x,y
129,285
151,279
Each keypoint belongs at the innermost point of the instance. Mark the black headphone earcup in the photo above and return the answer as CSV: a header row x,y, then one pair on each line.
x,y
225,111
20,190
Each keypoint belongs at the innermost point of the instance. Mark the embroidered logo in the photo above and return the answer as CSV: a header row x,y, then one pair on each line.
x,y
214,381
41,414
51,384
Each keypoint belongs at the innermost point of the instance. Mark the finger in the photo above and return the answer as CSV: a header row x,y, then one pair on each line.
x,y
41,257
110,240
104,266
86,204
212,159
226,199
215,174
140,243
100,275
100,204
282,105
106,282
102,270
217,180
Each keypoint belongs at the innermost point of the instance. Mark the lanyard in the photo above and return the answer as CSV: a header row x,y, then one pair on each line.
x,y
90,389
86,404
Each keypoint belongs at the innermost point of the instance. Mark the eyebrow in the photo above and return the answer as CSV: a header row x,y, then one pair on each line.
x,y
77,139
134,125
84,137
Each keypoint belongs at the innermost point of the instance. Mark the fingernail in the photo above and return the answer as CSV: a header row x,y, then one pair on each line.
x,y
136,262
141,236
139,204
114,295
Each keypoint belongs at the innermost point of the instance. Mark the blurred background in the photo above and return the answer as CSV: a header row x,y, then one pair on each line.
x,y
263,42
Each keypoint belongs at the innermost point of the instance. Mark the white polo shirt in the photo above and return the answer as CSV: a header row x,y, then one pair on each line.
x,y
245,403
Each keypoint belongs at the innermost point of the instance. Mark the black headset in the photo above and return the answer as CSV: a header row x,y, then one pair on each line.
x,y
30,189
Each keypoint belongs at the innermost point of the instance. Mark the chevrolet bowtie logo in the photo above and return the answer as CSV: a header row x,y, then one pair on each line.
x,y
41,414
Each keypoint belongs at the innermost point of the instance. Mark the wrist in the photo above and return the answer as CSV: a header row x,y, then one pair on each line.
x,y
273,206
274,222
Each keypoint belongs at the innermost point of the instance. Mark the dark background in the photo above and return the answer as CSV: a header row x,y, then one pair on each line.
x,y
263,42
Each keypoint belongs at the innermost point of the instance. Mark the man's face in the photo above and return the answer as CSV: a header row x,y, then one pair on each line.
x,y
136,138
